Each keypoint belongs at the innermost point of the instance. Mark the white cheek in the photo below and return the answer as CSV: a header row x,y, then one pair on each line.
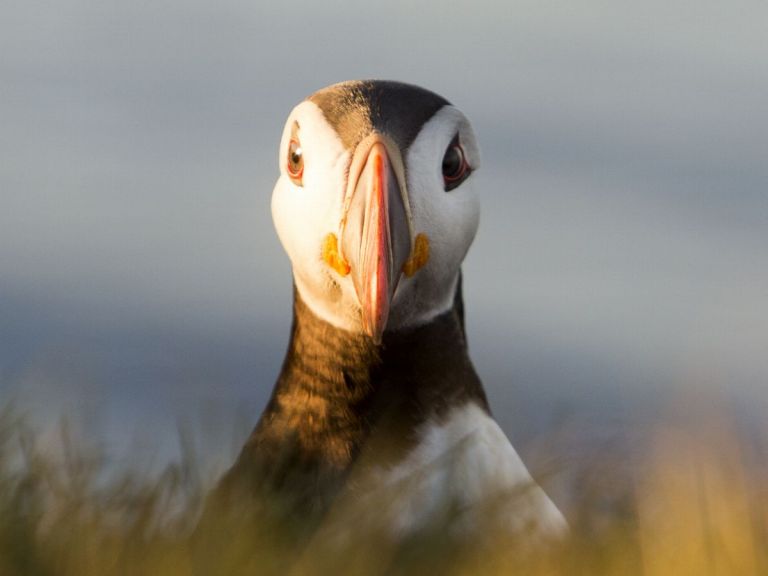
x,y
296,215
304,215
448,219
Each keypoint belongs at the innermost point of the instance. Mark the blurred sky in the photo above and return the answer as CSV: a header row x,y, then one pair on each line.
x,y
622,246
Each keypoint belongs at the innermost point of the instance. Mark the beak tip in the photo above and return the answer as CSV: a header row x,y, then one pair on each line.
x,y
374,330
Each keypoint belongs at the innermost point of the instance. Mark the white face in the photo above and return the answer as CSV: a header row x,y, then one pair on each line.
x,y
305,212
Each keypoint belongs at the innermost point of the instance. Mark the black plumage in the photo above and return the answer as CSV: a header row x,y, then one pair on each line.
x,y
354,109
343,405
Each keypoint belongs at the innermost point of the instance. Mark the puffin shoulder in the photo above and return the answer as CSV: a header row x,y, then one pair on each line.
x,y
466,460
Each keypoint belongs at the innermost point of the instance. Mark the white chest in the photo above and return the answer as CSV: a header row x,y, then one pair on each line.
x,y
466,467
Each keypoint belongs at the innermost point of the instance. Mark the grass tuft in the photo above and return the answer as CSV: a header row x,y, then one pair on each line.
x,y
695,504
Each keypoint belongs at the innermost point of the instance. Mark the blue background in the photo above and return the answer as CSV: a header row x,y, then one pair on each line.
x,y
621,256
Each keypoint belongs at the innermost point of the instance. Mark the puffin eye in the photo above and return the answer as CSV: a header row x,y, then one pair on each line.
x,y
455,167
295,164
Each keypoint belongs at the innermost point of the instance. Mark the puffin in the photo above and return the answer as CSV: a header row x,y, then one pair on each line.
x,y
377,407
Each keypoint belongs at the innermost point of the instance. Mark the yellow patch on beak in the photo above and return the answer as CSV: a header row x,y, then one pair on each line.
x,y
331,255
419,257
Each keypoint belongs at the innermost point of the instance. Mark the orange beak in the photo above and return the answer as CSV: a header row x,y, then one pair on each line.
x,y
376,239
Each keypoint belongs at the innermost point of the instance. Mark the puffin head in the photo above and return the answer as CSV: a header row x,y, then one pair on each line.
x,y
375,204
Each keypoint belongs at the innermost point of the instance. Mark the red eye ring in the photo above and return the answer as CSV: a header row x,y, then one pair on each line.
x,y
455,166
295,162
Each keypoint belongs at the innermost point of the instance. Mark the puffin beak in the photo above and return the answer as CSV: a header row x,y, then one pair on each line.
x,y
376,238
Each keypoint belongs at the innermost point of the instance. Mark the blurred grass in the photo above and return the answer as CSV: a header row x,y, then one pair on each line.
x,y
694,504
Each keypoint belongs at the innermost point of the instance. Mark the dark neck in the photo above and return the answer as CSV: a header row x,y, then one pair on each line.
x,y
340,399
